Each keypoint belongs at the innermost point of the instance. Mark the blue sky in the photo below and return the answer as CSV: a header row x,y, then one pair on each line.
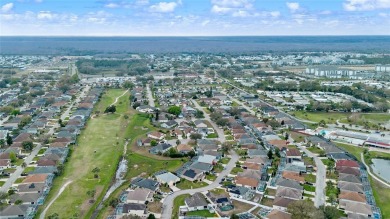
x,y
194,17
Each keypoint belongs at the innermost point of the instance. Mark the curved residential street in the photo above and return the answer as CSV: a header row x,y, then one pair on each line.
x,y
168,201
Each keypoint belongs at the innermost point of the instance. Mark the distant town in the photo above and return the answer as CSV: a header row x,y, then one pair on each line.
x,y
195,135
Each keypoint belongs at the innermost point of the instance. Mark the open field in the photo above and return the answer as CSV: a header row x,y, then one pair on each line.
x,y
140,161
361,119
101,135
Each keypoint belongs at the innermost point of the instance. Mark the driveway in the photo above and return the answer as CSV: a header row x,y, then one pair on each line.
x,y
168,201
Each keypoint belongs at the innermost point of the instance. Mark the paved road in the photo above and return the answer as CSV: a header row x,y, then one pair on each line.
x,y
19,170
221,134
320,185
168,201
371,174
150,96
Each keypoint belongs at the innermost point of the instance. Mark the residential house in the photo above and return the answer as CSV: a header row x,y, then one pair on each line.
x,y
167,178
156,135
196,202
145,183
134,209
160,148
139,196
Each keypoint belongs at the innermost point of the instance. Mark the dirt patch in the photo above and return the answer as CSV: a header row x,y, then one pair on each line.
x,y
87,204
155,207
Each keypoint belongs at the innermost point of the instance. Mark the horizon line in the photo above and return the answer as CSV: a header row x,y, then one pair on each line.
x,y
303,35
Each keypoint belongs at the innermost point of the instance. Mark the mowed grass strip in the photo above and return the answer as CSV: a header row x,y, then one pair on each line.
x,y
100,145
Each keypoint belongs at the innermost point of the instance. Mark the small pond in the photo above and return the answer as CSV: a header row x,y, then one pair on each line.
x,y
381,168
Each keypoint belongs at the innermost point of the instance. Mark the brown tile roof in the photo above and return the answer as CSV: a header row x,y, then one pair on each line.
x,y
347,163
245,181
23,137
46,163
348,170
353,196
275,214
278,143
252,166
293,152
63,140
183,147
58,144
293,176
36,178
282,202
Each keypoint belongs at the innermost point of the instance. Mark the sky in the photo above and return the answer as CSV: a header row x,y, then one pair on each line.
x,y
193,17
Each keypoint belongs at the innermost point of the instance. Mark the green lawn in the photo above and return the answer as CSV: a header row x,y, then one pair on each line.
x,y
318,116
19,180
328,162
2,183
139,164
202,213
28,169
236,170
179,201
315,150
185,184
100,145
310,178
309,188
41,151
225,160
212,135
211,177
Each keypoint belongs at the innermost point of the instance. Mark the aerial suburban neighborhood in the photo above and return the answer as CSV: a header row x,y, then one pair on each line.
x,y
195,136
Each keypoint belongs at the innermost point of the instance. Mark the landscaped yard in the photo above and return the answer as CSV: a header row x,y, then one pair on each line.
x,y
211,177
212,135
240,207
19,180
179,201
185,184
310,178
202,213
28,169
315,150
2,183
225,160
328,162
309,188
236,170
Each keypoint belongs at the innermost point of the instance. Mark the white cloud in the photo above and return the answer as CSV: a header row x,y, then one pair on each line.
x,y
275,13
293,6
236,8
204,23
7,7
164,7
365,5
111,5
45,15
